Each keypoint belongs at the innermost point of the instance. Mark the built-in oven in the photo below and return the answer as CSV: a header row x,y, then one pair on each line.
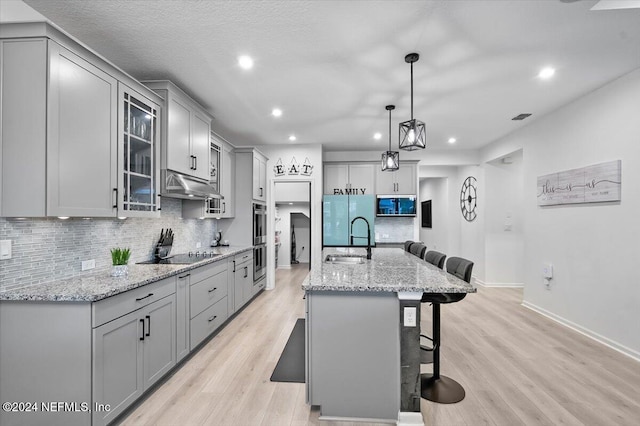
x,y
259,224
259,262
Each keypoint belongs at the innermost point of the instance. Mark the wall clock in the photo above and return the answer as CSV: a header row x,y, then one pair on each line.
x,y
468,198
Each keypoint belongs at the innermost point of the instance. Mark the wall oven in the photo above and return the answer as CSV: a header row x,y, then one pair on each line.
x,y
259,262
259,224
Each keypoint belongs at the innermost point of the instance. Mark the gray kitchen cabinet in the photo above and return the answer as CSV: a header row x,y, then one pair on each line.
x,y
258,286
208,308
259,177
68,147
133,351
223,161
138,170
349,178
60,111
228,185
182,316
401,181
241,273
185,132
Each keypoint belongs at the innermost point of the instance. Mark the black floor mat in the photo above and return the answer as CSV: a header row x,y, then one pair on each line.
x,y
290,367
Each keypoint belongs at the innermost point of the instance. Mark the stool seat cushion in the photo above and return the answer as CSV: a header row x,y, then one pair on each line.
x,y
442,297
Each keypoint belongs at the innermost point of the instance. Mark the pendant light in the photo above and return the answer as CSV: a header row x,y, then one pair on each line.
x,y
390,159
412,132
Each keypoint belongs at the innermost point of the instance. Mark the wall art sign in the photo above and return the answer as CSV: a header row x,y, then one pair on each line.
x,y
294,168
591,184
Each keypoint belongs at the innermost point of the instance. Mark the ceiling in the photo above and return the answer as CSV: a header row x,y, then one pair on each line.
x,y
332,66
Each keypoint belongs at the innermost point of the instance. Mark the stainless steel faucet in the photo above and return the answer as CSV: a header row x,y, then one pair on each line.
x,y
368,237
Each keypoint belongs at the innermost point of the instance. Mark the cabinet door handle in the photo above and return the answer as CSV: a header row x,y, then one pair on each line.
x,y
224,207
213,289
148,326
261,192
142,298
212,318
234,266
195,163
158,203
115,203
142,321
246,271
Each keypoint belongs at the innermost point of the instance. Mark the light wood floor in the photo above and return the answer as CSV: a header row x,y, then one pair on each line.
x,y
518,368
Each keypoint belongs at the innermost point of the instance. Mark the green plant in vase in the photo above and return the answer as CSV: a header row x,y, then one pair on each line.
x,y
119,259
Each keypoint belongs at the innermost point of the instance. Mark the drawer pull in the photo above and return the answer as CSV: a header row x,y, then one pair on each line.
x,y
213,289
184,276
142,298
212,318
142,321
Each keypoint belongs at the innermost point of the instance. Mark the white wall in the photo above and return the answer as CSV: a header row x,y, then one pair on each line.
x,y
18,11
504,213
593,247
286,153
436,237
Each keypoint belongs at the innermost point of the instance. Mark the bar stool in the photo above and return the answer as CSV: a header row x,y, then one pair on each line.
x,y
435,387
418,249
437,259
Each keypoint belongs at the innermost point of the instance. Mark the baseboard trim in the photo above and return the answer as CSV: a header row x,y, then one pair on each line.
x,y
355,419
504,285
584,331
406,418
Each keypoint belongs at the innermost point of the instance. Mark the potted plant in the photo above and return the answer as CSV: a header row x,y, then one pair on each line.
x,y
119,260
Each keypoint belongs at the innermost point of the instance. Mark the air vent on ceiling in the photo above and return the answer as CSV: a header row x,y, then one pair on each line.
x,y
521,117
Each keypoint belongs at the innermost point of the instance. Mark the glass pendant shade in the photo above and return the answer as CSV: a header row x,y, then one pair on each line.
x,y
413,134
390,159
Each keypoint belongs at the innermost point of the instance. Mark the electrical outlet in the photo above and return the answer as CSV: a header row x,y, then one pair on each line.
x,y
5,249
88,264
198,245
410,316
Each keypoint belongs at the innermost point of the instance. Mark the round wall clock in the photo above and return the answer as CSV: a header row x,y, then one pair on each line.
x,y
468,198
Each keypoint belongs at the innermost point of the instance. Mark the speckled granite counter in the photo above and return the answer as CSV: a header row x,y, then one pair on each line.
x,y
389,270
100,285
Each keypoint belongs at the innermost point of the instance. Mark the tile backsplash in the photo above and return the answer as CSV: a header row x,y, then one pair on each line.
x,y
394,229
48,249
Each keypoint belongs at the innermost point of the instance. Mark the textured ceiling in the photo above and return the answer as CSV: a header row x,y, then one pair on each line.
x,y
332,66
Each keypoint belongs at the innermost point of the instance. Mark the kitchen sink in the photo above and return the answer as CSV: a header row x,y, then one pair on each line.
x,y
350,259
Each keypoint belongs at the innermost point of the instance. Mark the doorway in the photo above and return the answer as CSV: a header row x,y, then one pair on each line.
x,y
292,224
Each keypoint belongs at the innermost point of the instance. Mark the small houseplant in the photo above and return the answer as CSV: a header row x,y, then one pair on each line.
x,y
119,260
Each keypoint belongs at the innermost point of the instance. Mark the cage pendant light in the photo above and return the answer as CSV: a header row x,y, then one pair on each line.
x,y
390,159
412,132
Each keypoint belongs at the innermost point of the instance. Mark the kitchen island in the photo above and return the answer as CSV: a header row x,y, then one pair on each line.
x,y
362,332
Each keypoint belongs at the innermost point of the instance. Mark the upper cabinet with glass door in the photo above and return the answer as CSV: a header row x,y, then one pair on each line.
x,y
138,164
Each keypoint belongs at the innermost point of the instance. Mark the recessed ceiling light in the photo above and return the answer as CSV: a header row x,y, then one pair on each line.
x,y
546,73
292,138
452,140
377,136
245,62
290,204
276,112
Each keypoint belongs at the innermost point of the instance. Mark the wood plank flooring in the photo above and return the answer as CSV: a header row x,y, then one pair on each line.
x,y
517,367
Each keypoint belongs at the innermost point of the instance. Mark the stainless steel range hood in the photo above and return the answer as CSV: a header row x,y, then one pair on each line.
x,y
175,185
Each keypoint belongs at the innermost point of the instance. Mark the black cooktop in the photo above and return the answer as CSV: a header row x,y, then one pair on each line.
x,y
183,258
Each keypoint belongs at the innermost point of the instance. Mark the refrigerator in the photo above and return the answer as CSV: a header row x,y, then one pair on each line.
x,y
337,213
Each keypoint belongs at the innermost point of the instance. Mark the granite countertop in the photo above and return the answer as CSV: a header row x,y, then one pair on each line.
x,y
100,285
390,270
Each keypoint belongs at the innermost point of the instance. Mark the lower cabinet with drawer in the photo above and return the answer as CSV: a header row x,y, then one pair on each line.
x,y
132,350
208,301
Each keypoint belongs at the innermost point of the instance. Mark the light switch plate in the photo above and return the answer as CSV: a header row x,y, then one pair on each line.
x,y
410,316
547,270
5,249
